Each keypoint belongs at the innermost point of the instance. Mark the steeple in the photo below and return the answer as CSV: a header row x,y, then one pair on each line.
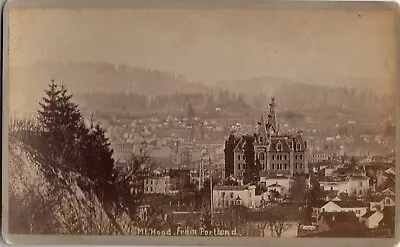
x,y
272,116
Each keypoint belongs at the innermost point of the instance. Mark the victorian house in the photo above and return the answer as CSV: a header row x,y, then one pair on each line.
x,y
277,153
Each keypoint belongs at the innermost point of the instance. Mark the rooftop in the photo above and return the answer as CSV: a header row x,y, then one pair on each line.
x,y
339,217
369,214
230,187
350,204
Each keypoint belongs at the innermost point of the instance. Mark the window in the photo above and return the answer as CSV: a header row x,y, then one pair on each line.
x,y
238,157
285,166
301,156
261,156
360,183
285,157
238,166
231,194
223,194
298,146
331,188
296,165
295,156
244,166
273,157
273,166
279,147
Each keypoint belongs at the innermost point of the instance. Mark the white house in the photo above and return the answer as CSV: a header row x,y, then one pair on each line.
x,y
380,202
372,218
277,188
283,181
358,207
157,185
225,196
389,191
352,185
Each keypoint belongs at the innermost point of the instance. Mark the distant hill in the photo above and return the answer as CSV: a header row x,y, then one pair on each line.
x,y
254,85
95,77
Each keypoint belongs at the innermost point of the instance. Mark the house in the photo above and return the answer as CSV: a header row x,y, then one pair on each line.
x,y
351,185
283,181
339,224
329,220
319,207
381,201
389,191
277,188
157,185
372,218
247,196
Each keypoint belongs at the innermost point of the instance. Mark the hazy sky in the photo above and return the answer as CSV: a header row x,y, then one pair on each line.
x,y
212,45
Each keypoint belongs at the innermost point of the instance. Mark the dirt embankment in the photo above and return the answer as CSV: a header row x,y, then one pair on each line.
x,y
45,201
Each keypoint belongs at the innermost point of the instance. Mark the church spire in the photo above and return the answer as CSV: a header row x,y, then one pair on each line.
x,y
272,116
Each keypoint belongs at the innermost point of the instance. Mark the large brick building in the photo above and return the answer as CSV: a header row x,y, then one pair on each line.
x,y
276,152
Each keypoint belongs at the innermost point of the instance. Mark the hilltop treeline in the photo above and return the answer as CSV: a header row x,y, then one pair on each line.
x,y
130,102
295,97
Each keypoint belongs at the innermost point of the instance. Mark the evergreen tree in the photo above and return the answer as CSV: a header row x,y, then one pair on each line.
x,y
59,119
73,146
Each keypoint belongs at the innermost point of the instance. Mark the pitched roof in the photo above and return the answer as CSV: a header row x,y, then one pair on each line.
x,y
350,204
378,198
339,217
369,214
229,187
318,203
275,185
275,141
240,145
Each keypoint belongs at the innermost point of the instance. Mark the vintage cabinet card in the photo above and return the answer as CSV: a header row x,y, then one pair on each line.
x,y
200,123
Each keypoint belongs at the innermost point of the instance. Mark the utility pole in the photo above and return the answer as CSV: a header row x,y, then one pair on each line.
x,y
211,190
201,174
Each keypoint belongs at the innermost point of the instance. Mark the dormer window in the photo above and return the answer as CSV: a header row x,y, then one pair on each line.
x,y
261,139
298,146
279,147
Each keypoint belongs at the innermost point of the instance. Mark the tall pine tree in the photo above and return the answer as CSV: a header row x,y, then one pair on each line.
x,y
59,119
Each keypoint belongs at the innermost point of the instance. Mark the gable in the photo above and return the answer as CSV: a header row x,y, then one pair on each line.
x,y
331,206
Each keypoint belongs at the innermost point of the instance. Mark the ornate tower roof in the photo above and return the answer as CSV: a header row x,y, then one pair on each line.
x,y
272,124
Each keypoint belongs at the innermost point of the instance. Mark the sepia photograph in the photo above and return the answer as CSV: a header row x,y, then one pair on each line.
x,y
201,122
